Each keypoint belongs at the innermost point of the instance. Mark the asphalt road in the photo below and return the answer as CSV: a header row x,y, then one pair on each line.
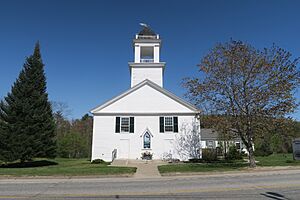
x,y
279,185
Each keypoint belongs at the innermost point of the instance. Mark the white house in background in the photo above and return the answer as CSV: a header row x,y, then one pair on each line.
x,y
146,117
211,139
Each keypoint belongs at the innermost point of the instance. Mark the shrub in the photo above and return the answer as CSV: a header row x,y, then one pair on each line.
x,y
209,155
195,160
72,145
290,161
146,155
234,154
219,151
98,161
263,149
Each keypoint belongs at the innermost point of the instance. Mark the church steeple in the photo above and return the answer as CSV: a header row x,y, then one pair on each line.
x,y
146,63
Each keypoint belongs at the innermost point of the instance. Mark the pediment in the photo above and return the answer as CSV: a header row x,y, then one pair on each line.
x,y
146,97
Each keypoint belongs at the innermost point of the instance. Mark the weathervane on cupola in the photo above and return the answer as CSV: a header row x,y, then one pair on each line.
x,y
146,30
144,25
146,63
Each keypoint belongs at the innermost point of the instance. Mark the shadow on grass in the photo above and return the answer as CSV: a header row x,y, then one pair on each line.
x,y
220,165
39,163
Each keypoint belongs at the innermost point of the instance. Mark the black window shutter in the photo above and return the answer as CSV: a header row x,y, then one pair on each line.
x,y
161,125
175,124
131,128
117,124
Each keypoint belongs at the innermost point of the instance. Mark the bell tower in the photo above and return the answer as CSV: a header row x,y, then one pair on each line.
x,y
146,63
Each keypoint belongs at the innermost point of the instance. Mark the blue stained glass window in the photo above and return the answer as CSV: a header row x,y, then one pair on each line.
x,y
147,141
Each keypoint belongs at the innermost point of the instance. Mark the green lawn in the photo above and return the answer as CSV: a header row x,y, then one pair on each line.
x,y
67,167
277,160
273,160
200,167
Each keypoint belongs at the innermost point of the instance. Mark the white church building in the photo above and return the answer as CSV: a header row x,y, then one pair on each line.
x,y
146,117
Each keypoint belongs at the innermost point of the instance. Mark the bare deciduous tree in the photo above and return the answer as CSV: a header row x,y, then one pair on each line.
x,y
188,142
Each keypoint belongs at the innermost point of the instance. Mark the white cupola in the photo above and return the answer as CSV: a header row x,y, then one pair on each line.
x,y
146,63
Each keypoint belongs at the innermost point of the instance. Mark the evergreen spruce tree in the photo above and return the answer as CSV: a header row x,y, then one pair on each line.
x,y
27,124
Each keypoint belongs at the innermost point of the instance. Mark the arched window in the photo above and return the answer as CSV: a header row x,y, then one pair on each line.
x,y
147,141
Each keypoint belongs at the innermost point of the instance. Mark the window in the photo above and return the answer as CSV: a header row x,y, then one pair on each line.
x,y
210,144
124,124
238,145
168,124
147,141
147,54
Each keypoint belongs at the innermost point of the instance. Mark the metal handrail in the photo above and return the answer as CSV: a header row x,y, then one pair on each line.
x,y
114,154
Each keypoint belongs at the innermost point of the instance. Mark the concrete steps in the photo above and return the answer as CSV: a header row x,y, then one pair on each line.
x,y
118,162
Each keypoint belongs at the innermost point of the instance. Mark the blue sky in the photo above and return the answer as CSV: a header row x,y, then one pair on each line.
x,y
86,45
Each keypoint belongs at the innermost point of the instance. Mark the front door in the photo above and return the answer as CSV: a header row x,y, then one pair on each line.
x,y
124,149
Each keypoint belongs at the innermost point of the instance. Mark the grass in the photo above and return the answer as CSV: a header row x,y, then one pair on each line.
x,y
272,160
201,167
277,160
63,167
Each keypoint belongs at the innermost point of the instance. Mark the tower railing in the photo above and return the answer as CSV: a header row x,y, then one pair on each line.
x,y
147,60
147,37
114,154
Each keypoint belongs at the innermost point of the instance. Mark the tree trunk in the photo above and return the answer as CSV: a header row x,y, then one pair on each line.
x,y
225,149
251,157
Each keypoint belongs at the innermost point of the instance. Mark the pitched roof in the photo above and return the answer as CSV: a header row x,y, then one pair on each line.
x,y
208,134
154,86
211,134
